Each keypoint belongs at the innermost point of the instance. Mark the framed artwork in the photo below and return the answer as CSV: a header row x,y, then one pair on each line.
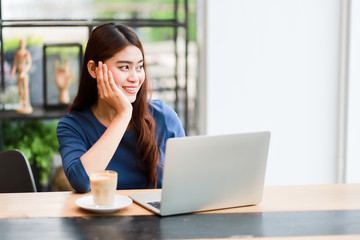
x,y
62,64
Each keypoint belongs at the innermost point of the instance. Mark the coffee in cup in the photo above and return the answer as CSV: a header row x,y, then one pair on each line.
x,y
103,187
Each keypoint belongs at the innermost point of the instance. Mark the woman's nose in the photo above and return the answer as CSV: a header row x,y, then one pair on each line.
x,y
133,76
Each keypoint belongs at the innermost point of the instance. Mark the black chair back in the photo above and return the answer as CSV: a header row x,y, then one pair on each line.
x,y
15,173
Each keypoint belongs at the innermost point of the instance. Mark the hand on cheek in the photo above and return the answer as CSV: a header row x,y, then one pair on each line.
x,y
108,90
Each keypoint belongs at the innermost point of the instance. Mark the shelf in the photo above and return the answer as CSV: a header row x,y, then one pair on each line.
x,y
91,22
38,114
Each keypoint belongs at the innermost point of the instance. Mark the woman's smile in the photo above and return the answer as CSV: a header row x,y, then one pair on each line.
x,y
130,90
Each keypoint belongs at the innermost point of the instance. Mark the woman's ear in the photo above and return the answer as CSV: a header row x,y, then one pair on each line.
x,y
91,66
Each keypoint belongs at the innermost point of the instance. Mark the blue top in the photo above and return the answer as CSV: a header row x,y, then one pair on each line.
x,y
78,131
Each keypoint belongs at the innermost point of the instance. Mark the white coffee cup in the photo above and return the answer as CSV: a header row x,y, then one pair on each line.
x,y
103,187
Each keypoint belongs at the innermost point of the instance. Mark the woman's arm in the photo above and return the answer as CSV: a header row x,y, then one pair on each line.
x,y
99,155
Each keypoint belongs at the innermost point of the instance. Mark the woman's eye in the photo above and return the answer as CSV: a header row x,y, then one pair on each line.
x,y
140,67
124,67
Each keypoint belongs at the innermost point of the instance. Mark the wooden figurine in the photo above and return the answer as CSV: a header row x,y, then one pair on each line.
x,y
63,76
22,65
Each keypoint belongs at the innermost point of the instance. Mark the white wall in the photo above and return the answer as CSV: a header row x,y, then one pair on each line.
x,y
353,153
274,65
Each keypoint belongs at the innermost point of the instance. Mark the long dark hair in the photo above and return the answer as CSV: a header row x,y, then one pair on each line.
x,y
104,42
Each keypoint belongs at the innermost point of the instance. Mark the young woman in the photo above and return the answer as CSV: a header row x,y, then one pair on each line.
x,y
111,123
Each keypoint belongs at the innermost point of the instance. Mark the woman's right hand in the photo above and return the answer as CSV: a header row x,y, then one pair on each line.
x,y
100,154
110,93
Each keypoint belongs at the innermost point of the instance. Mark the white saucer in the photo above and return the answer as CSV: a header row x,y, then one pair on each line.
x,y
87,203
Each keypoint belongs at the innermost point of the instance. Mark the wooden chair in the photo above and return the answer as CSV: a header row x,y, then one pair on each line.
x,y
15,173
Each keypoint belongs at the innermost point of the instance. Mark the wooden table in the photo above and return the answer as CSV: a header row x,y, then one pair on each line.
x,y
286,212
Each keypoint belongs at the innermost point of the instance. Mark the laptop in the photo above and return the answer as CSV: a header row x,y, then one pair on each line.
x,y
204,173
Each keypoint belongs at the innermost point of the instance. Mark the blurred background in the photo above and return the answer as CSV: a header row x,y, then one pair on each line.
x,y
289,67
53,28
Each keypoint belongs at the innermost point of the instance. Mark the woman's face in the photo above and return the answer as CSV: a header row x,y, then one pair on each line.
x,y
127,67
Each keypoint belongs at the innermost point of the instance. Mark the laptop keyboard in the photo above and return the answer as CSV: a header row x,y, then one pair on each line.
x,y
155,204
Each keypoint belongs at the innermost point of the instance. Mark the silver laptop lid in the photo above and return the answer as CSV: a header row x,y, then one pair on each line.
x,y
213,172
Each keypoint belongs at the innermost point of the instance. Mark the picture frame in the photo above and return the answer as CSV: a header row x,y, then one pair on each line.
x,y
61,66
